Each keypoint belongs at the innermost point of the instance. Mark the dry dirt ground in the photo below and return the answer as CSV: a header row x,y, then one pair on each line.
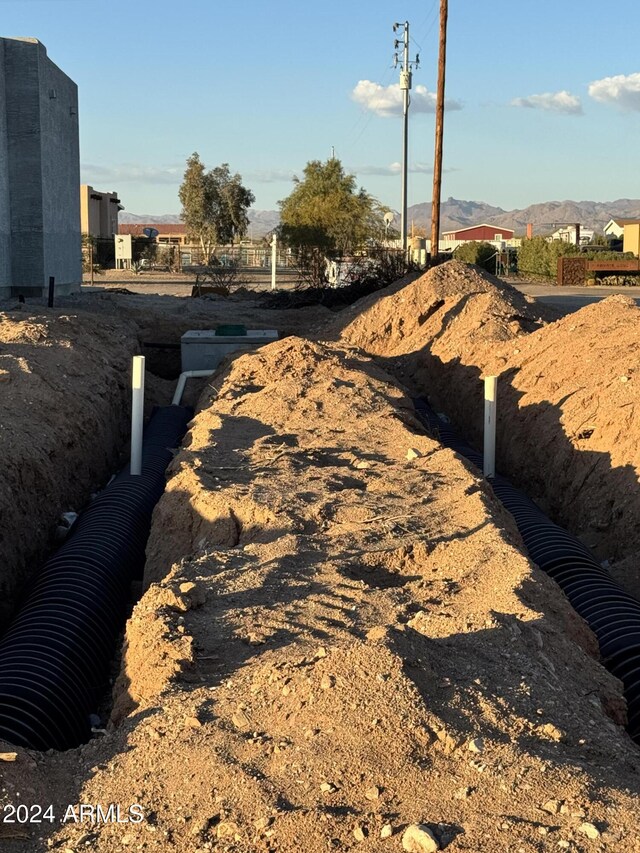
x,y
568,391
340,635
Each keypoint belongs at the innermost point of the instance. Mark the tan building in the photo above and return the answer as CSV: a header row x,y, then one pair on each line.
x,y
99,212
631,237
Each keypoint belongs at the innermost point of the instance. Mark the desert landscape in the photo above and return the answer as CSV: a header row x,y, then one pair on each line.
x,y
339,642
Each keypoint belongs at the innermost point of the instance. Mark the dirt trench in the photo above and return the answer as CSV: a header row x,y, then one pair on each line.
x,y
568,392
340,637
64,387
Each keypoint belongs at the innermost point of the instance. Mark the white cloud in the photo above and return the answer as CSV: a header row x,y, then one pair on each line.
x,y
387,100
557,102
622,90
393,169
269,176
130,173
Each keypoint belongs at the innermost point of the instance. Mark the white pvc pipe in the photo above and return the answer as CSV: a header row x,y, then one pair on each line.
x,y
274,260
490,413
137,414
182,381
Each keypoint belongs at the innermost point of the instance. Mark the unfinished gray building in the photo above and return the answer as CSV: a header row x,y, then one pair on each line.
x,y
39,173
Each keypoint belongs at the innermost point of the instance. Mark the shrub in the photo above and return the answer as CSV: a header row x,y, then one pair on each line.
x,y
481,253
538,257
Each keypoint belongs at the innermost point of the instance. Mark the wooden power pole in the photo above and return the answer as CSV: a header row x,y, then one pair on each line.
x,y
437,162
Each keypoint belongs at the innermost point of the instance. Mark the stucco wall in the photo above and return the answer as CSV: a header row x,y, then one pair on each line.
x,y
42,167
5,219
60,159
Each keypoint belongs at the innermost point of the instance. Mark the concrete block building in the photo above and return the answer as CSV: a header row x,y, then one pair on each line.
x,y
39,173
99,212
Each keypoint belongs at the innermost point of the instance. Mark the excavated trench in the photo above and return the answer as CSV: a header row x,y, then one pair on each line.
x,y
61,620
54,658
611,612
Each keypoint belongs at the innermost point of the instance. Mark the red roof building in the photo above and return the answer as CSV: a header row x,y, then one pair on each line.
x,y
175,233
480,232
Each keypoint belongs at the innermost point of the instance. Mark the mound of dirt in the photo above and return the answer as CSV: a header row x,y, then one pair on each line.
x,y
452,302
568,391
341,638
570,421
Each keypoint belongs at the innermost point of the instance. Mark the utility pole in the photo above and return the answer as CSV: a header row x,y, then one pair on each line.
x,y
405,85
437,161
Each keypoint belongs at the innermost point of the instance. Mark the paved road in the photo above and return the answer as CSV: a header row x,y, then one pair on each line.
x,y
568,299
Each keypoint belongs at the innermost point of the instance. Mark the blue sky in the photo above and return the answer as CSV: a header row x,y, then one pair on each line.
x,y
545,96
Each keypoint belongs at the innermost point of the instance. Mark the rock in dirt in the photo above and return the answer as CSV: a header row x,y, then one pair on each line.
x,y
386,831
359,833
589,830
418,838
240,719
551,806
553,732
476,745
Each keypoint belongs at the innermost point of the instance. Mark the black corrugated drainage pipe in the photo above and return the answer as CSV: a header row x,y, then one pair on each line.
x,y
55,656
611,612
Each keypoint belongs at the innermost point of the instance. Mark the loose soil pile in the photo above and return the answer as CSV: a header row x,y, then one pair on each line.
x,y
65,389
340,638
568,393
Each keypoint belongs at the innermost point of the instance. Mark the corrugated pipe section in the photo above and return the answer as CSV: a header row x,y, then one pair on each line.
x,y
611,613
55,656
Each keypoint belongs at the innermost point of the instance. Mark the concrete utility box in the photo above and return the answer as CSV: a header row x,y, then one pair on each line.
x,y
204,349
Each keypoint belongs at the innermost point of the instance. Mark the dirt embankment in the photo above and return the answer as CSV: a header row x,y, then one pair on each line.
x,y
65,391
569,392
339,641
341,637
64,384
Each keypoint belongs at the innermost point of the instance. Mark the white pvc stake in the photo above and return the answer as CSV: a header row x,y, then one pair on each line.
x,y
490,400
274,259
137,414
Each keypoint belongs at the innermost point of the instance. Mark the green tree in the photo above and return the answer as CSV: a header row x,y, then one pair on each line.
x,y
538,257
215,204
326,211
477,252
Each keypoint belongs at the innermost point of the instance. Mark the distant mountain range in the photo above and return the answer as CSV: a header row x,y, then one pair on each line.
x,y
260,221
545,217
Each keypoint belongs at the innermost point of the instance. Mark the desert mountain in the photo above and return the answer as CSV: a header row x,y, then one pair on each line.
x,y
456,213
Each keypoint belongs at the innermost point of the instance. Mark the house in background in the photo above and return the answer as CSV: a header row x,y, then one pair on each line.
x,y
615,227
489,233
631,236
574,234
169,234
99,212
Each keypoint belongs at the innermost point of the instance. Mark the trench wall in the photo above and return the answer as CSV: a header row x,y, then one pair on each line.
x,y
64,386
568,393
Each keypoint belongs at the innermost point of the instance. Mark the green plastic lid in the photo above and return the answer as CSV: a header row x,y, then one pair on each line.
x,y
229,330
